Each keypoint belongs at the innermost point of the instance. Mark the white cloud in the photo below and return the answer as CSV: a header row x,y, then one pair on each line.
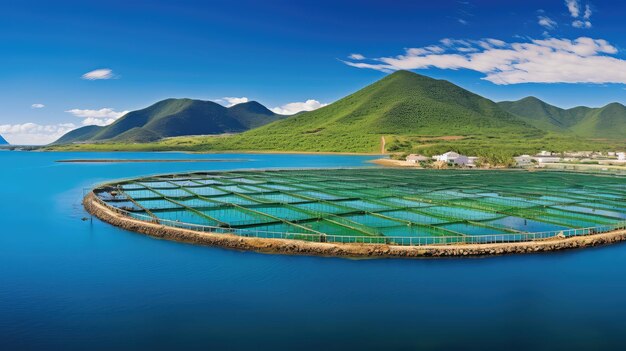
x,y
462,21
588,12
101,117
496,42
581,24
33,133
101,113
460,45
103,73
91,121
38,134
427,50
573,7
356,56
295,107
546,22
37,106
232,101
583,60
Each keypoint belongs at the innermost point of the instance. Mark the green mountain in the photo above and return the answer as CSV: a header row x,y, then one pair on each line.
x,y
175,117
80,134
2,141
540,114
608,122
404,112
403,104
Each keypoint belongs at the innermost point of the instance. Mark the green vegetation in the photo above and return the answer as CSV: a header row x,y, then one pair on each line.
x,y
414,113
608,122
505,144
176,117
403,104
80,134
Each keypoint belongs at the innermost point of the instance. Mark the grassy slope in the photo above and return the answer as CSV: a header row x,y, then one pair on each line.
x,y
79,134
539,114
472,145
608,122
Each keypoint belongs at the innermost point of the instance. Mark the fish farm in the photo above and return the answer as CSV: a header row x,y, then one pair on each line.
x,y
377,206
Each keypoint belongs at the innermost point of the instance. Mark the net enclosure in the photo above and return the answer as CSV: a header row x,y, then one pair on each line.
x,y
373,205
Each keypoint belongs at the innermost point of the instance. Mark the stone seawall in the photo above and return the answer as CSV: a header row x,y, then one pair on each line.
x,y
298,247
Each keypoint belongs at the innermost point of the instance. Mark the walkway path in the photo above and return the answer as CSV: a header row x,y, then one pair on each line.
x,y
382,146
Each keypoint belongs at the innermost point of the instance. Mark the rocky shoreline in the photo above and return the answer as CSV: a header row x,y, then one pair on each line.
x,y
298,247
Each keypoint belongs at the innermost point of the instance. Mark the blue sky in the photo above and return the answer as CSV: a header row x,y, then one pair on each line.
x,y
281,52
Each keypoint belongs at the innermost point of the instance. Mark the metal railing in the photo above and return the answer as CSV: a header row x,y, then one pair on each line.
x,y
390,240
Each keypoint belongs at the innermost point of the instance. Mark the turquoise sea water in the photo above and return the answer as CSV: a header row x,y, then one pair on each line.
x,y
71,284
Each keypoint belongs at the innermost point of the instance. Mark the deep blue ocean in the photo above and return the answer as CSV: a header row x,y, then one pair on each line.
x,y
69,284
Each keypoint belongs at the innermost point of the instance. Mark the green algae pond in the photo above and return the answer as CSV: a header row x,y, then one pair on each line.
x,y
392,206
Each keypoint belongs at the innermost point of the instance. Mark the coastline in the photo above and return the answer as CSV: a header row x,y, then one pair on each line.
x,y
95,160
298,247
211,152
387,162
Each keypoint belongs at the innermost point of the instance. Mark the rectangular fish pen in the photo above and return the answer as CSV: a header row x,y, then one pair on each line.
x,y
370,205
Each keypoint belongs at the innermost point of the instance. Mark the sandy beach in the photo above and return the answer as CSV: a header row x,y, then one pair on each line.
x,y
395,163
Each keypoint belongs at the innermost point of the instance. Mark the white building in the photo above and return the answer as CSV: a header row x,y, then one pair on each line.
x,y
523,161
452,157
547,159
621,156
544,153
413,158
580,154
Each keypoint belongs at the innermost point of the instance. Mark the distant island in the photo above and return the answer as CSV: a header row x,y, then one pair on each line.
x,y
400,114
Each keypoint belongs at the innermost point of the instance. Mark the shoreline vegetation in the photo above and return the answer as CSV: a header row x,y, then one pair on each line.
x,y
218,152
300,247
495,150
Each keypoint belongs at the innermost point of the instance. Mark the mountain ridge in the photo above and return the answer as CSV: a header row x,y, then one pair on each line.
x,y
414,113
608,121
402,103
175,117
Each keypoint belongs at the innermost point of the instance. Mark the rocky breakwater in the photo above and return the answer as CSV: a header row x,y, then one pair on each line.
x,y
299,247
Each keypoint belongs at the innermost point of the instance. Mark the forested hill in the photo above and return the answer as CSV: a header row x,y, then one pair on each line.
x,y
176,117
401,104
608,122
410,112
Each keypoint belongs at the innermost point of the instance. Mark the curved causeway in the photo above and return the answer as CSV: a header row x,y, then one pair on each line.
x,y
370,212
